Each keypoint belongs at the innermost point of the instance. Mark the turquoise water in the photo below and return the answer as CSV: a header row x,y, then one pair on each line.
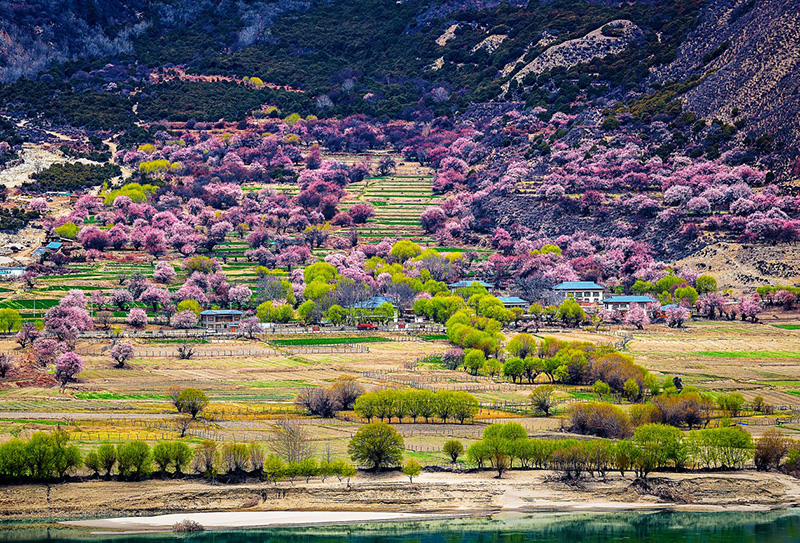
x,y
661,527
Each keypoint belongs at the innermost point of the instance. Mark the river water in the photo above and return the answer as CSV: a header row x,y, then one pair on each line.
x,y
654,527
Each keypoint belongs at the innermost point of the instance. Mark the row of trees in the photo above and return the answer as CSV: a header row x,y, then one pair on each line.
x,y
427,405
652,447
49,456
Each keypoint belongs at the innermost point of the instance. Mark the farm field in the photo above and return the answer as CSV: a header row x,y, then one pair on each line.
x,y
248,393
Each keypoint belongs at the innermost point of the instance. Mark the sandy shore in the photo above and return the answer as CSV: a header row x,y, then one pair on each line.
x,y
390,496
247,519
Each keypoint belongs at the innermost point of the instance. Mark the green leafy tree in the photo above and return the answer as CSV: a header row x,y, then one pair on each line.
x,y
376,445
67,230
493,367
631,389
601,388
474,361
92,463
705,284
522,346
189,305
542,399
191,401
571,313
453,448
687,295
412,469
107,457
514,367
405,249
658,446
134,459
9,320
336,314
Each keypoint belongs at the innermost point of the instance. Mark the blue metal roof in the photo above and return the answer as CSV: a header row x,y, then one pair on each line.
x,y
465,284
221,312
55,245
373,303
628,299
578,285
511,300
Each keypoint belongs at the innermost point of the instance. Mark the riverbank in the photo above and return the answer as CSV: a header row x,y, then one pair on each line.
x,y
431,493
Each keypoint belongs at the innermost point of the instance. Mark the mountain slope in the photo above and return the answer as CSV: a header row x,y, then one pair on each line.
x,y
752,51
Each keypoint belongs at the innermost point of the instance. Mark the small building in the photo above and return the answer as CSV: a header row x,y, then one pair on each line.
x,y
53,246
370,307
8,273
373,303
222,320
583,292
512,301
624,303
467,283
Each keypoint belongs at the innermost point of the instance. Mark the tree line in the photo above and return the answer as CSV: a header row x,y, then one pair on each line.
x,y
652,447
427,405
50,456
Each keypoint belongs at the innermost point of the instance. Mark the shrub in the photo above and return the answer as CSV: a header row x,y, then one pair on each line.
x,y
600,419
645,414
770,450
187,526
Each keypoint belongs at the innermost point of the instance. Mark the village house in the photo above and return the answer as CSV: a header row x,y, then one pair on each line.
x,y
371,306
222,320
510,302
625,303
468,283
9,273
583,292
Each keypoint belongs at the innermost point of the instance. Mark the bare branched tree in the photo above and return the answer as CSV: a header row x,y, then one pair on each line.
x,y
291,441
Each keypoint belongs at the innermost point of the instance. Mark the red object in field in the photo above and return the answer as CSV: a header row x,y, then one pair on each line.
x,y
315,329
401,325
366,326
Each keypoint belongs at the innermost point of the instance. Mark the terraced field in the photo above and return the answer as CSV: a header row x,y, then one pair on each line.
x,y
399,200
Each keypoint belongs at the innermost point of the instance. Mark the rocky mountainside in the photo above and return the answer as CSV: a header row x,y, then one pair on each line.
x,y
750,51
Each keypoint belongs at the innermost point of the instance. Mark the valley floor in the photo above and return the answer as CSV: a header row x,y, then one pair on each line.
x,y
459,494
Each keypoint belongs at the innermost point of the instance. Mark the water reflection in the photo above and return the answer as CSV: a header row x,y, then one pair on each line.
x,y
661,527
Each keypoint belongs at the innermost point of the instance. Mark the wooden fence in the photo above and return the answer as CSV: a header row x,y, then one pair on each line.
x,y
201,352
411,331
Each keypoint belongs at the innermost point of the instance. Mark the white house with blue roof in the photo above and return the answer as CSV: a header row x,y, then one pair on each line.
x,y
466,283
583,292
510,302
